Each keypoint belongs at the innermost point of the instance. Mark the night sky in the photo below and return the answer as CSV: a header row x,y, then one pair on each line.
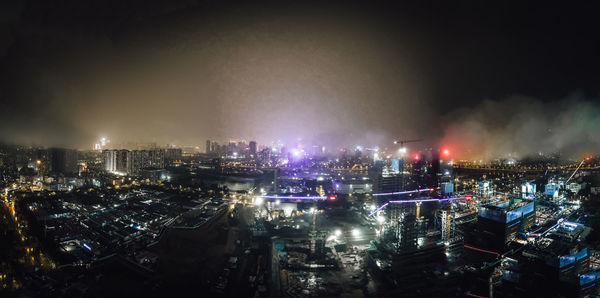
x,y
484,79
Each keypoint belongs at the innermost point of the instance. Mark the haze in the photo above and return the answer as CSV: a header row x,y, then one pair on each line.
x,y
334,75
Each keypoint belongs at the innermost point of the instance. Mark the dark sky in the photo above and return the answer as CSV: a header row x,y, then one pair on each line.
x,y
336,73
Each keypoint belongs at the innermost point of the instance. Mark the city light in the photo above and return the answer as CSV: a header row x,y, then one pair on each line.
x,y
284,197
193,152
446,152
296,152
402,192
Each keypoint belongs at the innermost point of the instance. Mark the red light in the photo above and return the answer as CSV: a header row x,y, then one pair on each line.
x,y
332,198
468,198
446,152
417,157
431,189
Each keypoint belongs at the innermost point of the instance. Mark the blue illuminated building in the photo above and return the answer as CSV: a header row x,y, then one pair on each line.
x,y
397,165
447,188
528,189
552,190
499,223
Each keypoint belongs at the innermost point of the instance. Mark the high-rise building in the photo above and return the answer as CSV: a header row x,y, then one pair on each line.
x,y
141,160
173,154
385,180
528,188
124,162
209,147
499,223
447,188
127,162
157,158
63,161
109,159
397,165
252,149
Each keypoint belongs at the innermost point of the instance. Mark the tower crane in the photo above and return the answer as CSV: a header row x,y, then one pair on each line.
x,y
402,142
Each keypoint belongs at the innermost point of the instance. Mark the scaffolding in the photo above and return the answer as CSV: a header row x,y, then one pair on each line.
x,y
447,224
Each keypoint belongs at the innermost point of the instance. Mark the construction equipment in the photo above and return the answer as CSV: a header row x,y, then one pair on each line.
x,y
574,172
402,142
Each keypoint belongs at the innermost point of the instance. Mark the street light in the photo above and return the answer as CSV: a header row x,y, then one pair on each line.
x,y
355,232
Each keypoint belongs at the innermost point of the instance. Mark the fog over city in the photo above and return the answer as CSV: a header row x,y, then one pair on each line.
x,y
296,149
521,126
322,74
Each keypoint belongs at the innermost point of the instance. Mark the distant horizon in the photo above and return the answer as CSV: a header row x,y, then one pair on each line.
x,y
336,151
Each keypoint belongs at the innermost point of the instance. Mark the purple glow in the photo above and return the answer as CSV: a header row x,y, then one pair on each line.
x,y
428,200
295,197
416,201
402,192
296,152
378,209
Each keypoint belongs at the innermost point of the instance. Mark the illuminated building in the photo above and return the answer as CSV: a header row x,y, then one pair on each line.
x,y
124,162
484,189
351,187
209,148
557,261
109,160
498,224
131,162
528,189
172,154
574,187
397,165
447,188
552,190
384,181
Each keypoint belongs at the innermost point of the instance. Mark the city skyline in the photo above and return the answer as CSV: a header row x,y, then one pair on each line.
x,y
333,75
295,149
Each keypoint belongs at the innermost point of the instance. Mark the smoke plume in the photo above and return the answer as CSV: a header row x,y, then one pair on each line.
x,y
522,126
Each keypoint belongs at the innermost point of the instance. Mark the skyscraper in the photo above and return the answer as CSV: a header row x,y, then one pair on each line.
x,y
109,159
124,162
252,149
172,154
209,148
63,161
